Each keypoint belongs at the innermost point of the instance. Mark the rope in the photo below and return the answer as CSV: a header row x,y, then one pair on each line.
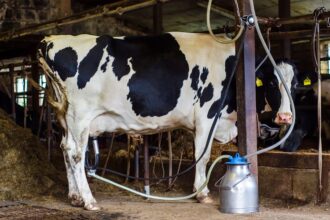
x,y
229,41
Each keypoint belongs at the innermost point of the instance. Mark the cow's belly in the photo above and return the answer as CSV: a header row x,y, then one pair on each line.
x,y
128,123
227,129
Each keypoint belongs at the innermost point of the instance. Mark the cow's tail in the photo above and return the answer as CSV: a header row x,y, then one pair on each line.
x,y
56,92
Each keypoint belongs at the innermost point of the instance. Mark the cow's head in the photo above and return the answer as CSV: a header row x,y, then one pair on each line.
x,y
277,100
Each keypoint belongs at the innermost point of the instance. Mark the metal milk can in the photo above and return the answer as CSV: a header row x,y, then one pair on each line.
x,y
238,188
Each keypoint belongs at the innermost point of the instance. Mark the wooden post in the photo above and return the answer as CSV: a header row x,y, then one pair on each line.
x,y
246,95
12,91
49,130
158,18
284,10
64,11
35,95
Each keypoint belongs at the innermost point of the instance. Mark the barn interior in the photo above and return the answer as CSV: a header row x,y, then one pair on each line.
x,y
34,182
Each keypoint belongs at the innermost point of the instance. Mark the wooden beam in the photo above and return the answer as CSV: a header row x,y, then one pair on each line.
x,y
246,96
158,18
284,11
35,94
301,34
294,160
109,9
304,19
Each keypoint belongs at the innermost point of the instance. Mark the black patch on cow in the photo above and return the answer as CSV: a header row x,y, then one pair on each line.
x,y
194,76
214,109
160,69
49,46
104,65
89,65
272,91
122,50
65,63
199,92
206,95
230,98
204,74
203,94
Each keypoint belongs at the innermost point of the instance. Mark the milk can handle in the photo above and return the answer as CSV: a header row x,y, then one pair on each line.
x,y
217,184
238,182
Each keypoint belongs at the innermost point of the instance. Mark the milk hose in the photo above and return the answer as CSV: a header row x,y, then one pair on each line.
x,y
220,158
208,23
284,84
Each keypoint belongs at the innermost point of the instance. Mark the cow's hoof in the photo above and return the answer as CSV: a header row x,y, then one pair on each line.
x,y
205,199
76,201
92,207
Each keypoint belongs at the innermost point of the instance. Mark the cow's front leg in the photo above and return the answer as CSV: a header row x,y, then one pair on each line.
x,y
200,173
75,159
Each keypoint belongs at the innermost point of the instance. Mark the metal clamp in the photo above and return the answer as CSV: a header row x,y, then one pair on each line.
x,y
248,20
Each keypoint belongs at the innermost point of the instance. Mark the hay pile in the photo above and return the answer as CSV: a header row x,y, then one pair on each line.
x,y
24,169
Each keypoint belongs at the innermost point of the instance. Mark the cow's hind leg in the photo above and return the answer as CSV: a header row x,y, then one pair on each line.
x,y
73,195
200,174
76,142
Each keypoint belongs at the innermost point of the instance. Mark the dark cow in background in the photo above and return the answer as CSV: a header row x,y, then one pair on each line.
x,y
306,112
306,124
143,85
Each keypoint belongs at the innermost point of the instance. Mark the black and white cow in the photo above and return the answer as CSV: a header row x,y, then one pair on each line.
x,y
269,99
141,85
306,123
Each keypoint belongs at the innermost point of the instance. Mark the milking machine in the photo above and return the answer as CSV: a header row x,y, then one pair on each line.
x,y
238,187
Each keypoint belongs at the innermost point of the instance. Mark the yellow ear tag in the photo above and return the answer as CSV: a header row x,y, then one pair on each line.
x,y
307,82
259,82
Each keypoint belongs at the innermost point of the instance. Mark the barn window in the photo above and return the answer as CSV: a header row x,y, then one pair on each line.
x,y
20,89
325,57
42,83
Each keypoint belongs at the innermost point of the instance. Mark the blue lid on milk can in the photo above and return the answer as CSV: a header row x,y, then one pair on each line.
x,y
237,160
